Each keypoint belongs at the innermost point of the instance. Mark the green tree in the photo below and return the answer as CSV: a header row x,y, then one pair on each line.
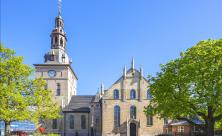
x,y
43,107
191,86
22,98
219,124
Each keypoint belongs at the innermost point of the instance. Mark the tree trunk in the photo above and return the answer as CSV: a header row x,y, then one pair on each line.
x,y
7,128
210,122
210,128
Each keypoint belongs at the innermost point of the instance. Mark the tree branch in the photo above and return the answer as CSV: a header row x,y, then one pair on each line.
x,y
192,106
218,117
186,119
202,115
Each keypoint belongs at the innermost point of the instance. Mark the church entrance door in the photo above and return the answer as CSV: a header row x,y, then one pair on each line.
x,y
132,129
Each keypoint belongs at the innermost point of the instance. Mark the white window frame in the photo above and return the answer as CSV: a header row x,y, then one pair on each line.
x,y
180,129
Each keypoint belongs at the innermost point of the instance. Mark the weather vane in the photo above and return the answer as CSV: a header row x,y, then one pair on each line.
x,y
59,7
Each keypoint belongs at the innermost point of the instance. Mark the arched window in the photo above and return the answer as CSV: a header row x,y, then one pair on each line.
x,y
57,23
83,121
132,94
54,124
116,116
58,89
149,95
61,41
56,40
149,120
133,112
116,94
71,122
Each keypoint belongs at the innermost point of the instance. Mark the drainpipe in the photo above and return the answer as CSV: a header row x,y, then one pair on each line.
x,y
127,127
88,123
64,124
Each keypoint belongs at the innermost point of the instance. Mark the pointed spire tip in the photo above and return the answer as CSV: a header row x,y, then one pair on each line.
x,y
124,71
133,63
141,71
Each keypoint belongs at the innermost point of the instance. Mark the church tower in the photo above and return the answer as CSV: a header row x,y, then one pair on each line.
x,y
57,69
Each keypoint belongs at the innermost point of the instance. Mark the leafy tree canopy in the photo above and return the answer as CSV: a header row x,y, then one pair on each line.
x,y
22,98
191,85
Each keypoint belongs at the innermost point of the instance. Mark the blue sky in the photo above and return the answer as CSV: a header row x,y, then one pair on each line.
x,y
103,35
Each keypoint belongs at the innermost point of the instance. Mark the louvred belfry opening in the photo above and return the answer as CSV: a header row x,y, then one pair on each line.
x,y
58,36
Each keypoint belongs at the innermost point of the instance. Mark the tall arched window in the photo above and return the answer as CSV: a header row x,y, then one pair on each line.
x,y
149,120
56,40
61,41
116,94
116,116
57,23
133,94
54,124
83,121
149,117
58,89
71,122
133,112
149,95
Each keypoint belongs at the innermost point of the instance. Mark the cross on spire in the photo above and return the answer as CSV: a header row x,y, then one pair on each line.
x,y
59,7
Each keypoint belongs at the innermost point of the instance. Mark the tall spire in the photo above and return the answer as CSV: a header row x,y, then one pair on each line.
x,y
59,7
141,71
124,71
58,36
102,88
133,64
57,53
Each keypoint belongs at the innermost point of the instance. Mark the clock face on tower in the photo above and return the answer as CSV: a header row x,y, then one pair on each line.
x,y
52,73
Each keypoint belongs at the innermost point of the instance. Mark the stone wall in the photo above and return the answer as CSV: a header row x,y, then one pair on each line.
x,y
133,80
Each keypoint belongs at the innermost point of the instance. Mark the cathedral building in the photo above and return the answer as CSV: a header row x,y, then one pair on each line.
x,y
115,111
